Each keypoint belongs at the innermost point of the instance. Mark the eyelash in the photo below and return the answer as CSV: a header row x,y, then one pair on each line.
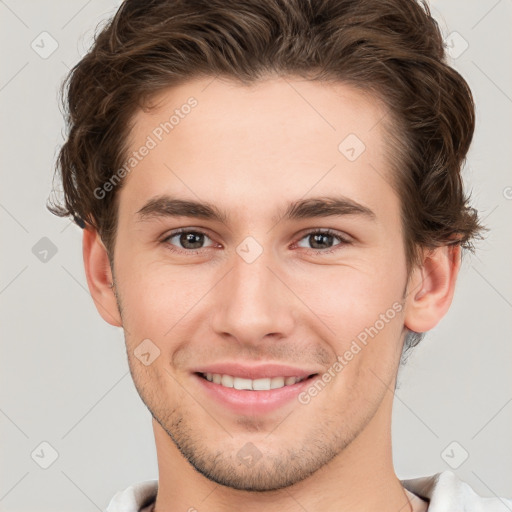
x,y
191,252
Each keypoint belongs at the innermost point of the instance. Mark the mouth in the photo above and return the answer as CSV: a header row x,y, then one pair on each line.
x,y
262,384
244,396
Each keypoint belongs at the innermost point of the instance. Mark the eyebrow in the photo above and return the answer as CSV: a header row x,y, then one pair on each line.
x,y
324,206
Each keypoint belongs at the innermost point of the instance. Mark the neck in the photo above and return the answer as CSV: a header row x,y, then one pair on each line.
x,y
360,478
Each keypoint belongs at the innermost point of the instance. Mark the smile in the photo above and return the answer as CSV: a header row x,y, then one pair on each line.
x,y
264,384
245,396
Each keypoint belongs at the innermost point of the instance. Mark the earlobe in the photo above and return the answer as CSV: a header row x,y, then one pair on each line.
x,y
431,288
99,277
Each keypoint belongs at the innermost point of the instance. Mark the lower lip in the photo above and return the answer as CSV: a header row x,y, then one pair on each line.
x,y
244,401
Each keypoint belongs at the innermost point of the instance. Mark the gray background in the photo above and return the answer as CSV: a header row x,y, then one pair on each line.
x,y
64,374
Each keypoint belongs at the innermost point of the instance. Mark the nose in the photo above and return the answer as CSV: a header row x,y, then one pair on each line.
x,y
252,302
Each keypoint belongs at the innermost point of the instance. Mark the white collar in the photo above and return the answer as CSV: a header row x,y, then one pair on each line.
x,y
444,491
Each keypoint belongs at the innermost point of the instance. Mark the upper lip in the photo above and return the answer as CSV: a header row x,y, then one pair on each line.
x,y
267,370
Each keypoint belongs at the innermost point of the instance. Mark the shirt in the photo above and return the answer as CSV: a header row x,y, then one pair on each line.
x,y
444,492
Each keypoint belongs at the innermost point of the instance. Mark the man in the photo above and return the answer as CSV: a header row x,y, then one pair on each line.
x,y
272,207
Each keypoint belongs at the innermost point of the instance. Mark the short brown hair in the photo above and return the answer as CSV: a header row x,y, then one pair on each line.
x,y
392,49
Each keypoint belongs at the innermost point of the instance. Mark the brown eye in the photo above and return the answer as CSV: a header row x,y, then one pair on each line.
x,y
322,241
186,240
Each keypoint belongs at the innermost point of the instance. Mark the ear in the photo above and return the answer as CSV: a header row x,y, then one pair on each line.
x,y
99,277
431,287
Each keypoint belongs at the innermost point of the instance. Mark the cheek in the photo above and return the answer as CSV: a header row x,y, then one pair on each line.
x,y
362,307
367,344
350,298
156,297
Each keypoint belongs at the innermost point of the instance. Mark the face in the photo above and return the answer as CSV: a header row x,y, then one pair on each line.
x,y
303,265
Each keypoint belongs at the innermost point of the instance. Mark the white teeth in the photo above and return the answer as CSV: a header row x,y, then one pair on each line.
x,y
227,381
276,382
261,384
265,384
239,383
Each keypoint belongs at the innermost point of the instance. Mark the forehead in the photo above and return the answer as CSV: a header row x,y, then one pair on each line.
x,y
280,138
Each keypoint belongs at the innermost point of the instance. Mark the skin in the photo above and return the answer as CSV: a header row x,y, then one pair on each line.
x,y
292,305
